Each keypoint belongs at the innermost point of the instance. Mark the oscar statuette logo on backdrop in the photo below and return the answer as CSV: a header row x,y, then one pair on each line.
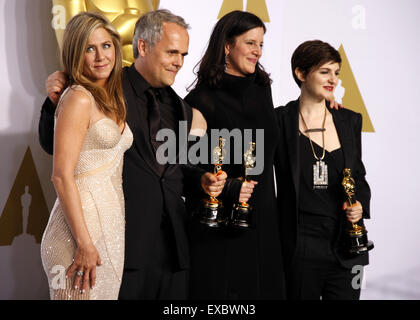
x,y
257,7
122,13
25,213
348,93
22,223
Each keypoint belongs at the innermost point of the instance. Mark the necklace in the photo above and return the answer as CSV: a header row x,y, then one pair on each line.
x,y
320,168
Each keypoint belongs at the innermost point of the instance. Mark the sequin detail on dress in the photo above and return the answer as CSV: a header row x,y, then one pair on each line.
x,y
98,176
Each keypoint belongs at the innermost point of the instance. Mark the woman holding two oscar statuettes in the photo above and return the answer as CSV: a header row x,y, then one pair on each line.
x,y
316,144
234,92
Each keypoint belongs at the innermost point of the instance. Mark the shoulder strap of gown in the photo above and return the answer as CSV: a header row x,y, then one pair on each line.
x,y
79,88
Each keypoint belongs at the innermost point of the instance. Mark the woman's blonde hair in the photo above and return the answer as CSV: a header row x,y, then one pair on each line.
x,y
110,100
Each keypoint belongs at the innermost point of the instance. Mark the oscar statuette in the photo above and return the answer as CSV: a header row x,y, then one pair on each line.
x,y
242,212
122,13
212,211
357,235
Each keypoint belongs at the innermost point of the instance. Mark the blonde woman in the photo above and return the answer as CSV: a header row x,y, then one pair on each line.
x,y
83,245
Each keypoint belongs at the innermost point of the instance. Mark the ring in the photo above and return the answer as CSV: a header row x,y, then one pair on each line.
x,y
79,273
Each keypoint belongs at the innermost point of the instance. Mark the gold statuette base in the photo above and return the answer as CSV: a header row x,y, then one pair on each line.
x,y
241,216
358,241
212,213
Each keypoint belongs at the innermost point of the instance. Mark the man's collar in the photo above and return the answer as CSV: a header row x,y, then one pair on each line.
x,y
140,85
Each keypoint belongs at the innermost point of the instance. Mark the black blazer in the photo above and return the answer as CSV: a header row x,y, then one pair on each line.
x,y
349,126
149,190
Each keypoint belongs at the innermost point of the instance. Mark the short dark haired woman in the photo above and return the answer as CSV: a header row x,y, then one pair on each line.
x,y
316,144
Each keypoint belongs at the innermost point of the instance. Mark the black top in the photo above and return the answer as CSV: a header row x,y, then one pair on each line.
x,y
232,264
320,201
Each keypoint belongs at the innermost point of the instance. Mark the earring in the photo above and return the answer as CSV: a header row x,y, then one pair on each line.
x,y
226,62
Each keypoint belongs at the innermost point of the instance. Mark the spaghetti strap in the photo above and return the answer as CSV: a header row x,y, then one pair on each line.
x,y
59,102
79,88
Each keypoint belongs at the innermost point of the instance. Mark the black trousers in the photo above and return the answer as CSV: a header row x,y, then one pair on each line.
x,y
156,279
316,273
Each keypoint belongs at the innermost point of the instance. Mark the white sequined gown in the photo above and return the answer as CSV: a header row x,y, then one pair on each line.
x,y
98,176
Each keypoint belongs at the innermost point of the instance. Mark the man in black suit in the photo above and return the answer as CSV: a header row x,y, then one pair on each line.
x,y
156,251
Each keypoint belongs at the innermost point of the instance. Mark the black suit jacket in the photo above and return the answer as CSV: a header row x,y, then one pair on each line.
x,y
349,126
150,190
